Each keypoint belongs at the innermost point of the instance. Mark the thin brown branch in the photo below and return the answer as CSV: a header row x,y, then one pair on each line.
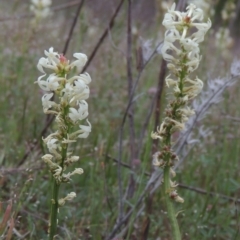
x,y
158,103
161,79
131,185
101,39
130,101
184,186
72,27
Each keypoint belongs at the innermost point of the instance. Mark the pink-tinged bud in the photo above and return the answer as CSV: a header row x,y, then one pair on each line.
x,y
63,59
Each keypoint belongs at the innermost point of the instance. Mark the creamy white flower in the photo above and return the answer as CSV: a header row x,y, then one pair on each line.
x,y
53,57
46,103
44,63
51,84
170,82
81,113
194,89
85,77
52,61
156,162
83,132
177,125
155,135
80,92
80,62
69,197
52,144
72,159
187,111
77,171
67,93
57,173
47,157
40,8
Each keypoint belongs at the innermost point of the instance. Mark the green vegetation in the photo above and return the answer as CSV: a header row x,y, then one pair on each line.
x,y
211,164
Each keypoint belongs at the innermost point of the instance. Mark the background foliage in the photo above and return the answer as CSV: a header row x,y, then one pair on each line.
x,y
211,165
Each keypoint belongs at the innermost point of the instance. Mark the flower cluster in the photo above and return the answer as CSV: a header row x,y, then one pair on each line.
x,y
41,8
181,49
70,108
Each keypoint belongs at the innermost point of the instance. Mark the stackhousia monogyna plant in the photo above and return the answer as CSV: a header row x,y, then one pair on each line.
x,y
70,108
181,49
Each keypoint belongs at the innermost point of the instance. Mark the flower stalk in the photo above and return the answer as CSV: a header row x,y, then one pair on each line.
x,y
181,49
70,109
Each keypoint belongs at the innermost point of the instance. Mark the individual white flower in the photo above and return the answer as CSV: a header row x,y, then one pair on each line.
x,y
81,113
170,82
85,77
57,173
67,93
66,177
83,132
156,162
79,93
52,61
190,45
47,157
177,125
187,111
80,62
77,171
194,88
44,63
46,102
155,135
52,145
53,57
40,8
51,84
72,159
69,197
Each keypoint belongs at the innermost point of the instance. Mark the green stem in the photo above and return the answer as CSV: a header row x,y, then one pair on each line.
x,y
169,203
54,210
54,199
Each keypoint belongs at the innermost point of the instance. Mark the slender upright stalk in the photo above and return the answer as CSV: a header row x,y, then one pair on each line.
x,y
54,200
181,49
54,209
169,203
69,110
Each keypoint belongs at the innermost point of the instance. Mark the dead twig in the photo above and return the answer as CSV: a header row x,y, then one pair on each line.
x,y
130,101
101,39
